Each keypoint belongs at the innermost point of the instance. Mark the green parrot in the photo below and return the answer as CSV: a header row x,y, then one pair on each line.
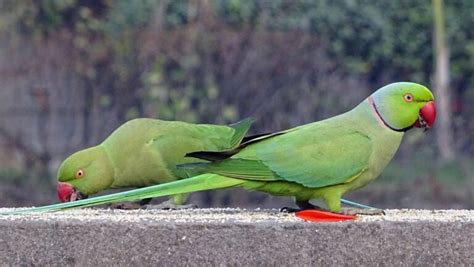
x,y
143,152
319,160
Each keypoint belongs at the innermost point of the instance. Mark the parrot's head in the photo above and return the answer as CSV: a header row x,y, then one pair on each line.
x,y
404,105
84,173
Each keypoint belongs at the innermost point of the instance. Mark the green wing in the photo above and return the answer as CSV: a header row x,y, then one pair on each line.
x,y
225,154
146,151
172,144
240,130
317,159
313,156
179,138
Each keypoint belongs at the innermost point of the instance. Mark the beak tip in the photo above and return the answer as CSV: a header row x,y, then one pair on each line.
x,y
427,115
64,191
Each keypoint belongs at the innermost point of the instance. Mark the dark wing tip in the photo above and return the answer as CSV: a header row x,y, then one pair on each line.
x,y
210,155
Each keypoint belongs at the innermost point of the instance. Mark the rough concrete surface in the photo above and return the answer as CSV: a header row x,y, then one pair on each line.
x,y
235,237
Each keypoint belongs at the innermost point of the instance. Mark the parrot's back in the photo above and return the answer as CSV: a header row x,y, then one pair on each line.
x,y
146,151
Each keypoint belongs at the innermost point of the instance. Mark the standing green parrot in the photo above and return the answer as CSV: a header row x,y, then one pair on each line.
x,y
320,160
143,152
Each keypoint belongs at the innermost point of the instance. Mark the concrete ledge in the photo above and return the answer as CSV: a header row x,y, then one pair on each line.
x,y
235,237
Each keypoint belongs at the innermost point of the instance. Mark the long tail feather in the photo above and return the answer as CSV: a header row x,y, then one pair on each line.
x,y
193,184
355,204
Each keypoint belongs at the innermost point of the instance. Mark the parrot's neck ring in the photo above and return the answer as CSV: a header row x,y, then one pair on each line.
x,y
380,118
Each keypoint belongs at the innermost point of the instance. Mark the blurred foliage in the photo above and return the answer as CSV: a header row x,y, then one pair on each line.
x,y
380,41
284,62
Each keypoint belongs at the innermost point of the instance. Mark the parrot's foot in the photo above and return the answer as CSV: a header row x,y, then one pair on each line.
x,y
170,206
353,211
302,205
290,210
126,206
131,205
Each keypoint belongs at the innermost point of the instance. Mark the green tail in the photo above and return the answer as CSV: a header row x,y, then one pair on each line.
x,y
355,204
193,184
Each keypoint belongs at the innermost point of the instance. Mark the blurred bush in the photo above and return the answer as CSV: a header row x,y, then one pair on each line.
x,y
73,70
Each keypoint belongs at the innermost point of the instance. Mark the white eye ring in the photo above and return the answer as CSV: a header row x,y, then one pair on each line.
x,y
408,97
79,173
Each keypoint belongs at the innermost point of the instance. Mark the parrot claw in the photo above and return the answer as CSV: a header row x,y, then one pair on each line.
x,y
302,205
126,206
289,210
170,206
353,211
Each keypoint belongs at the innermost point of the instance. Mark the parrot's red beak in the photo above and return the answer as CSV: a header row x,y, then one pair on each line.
x,y
427,116
66,192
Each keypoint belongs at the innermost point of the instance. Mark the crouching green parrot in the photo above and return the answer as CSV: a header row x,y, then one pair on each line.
x,y
143,152
320,160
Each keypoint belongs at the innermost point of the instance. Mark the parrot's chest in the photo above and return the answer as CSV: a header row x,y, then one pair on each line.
x,y
385,147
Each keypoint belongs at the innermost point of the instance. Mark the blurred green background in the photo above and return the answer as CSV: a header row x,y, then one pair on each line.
x,y
71,71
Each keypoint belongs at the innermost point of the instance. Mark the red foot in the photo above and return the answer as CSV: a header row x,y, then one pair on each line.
x,y
323,216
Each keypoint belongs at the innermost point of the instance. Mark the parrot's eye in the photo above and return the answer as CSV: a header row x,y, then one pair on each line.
x,y
79,173
408,97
